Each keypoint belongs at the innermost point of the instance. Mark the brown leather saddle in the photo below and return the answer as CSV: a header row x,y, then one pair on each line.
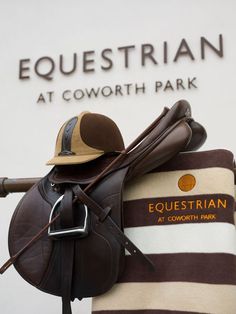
x,y
66,235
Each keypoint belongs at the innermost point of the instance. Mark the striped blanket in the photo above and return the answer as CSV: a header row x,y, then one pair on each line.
x,y
182,216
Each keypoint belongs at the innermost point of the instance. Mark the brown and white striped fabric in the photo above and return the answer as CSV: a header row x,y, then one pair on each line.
x,y
190,236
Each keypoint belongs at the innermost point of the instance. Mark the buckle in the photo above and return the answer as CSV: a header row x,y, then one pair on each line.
x,y
80,231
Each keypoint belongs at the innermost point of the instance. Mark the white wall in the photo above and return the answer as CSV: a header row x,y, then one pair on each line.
x,y
32,29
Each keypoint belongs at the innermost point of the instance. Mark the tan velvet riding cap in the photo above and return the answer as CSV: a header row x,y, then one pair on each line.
x,y
86,137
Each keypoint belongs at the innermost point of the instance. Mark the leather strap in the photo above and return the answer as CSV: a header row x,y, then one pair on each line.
x,y
105,218
67,256
67,262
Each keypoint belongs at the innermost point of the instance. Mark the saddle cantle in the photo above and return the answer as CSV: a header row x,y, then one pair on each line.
x,y
80,207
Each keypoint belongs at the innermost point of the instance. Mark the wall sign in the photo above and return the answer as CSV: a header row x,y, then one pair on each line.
x,y
108,60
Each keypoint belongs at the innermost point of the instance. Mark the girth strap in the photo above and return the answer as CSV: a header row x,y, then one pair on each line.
x,y
105,218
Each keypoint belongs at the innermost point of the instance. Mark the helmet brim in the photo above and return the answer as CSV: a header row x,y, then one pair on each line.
x,y
73,159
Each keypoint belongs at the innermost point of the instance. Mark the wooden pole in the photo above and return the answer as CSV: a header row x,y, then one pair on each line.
x,y
16,185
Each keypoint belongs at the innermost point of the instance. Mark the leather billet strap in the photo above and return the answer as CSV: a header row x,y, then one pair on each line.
x,y
105,218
